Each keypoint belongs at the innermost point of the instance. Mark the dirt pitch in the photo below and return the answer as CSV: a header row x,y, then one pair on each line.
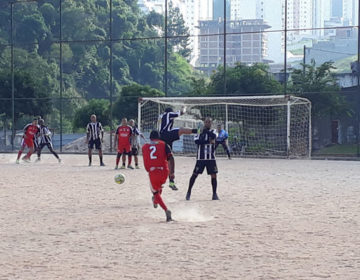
x,y
277,219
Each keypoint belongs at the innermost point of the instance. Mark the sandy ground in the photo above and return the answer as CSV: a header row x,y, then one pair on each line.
x,y
277,219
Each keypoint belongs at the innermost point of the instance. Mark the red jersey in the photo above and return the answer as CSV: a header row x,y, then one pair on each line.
x,y
30,131
156,155
124,135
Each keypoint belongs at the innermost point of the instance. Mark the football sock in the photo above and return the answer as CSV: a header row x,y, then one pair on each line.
x,y
158,200
191,183
214,184
118,156
129,160
101,159
19,154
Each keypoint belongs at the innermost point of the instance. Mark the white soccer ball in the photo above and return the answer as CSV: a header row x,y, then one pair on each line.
x,y
119,178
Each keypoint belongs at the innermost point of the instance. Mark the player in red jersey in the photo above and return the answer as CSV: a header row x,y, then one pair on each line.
x,y
123,141
31,132
156,156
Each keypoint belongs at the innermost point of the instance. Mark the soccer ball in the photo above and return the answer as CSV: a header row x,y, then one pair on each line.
x,y
119,178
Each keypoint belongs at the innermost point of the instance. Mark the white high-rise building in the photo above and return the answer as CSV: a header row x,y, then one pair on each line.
x,y
243,9
321,12
350,11
191,10
271,11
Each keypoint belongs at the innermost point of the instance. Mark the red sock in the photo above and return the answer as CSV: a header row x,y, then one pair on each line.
x,y
129,160
117,160
158,200
19,154
28,155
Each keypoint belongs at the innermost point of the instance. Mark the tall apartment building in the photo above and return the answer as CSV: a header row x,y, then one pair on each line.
x,y
191,10
248,44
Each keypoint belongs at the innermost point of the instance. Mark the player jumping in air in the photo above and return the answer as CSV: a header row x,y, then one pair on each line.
x,y
205,142
123,141
31,131
169,134
135,143
221,139
159,163
45,140
94,136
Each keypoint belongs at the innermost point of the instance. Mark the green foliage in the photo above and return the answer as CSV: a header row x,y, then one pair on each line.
x,y
31,91
127,104
176,27
318,84
244,80
99,107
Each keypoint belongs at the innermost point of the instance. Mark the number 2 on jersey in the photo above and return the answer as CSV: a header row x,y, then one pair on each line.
x,y
153,150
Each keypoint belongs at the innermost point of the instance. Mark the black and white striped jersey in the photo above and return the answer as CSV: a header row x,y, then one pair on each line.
x,y
94,129
167,120
205,149
45,135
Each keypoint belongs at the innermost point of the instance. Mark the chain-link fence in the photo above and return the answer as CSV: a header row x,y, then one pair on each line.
x,y
63,60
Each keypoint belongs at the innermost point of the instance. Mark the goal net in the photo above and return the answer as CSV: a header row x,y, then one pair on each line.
x,y
258,126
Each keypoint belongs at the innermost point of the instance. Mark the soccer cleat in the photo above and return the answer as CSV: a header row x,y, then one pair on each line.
x,y
102,164
59,160
154,204
26,159
188,194
116,167
172,186
17,161
168,216
137,167
122,167
38,159
229,158
215,197
89,163
130,167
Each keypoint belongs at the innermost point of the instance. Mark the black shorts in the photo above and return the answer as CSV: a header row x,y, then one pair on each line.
x,y
42,145
134,151
210,165
95,142
170,136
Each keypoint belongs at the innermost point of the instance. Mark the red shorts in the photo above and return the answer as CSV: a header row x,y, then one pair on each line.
x,y
157,179
27,142
124,149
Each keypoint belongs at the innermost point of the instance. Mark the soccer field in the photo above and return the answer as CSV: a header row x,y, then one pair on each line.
x,y
276,219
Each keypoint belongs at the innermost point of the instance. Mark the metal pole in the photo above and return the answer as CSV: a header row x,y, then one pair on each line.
x,y
12,75
166,49
227,118
288,127
139,114
224,47
304,59
358,85
111,76
61,77
285,49
310,132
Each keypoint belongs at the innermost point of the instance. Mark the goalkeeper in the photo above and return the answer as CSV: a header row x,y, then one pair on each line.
x,y
169,134
222,139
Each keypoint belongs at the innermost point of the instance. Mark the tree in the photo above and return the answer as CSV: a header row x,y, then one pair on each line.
x,y
318,84
243,80
176,27
32,97
126,104
99,107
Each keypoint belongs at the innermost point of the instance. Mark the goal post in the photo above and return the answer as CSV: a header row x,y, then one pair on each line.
x,y
258,126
